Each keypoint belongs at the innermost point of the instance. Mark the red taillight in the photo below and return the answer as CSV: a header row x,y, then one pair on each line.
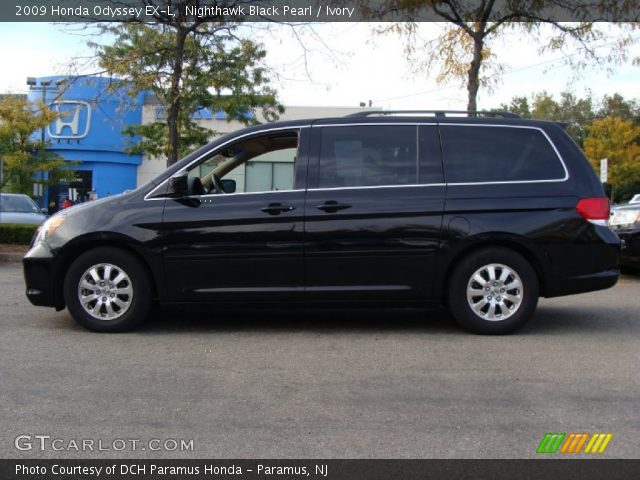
x,y
595,208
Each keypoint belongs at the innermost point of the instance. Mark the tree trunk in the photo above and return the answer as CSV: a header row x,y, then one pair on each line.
x,y
473,75
173,110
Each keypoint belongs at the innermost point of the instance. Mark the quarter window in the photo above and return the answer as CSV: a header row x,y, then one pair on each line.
x,y
368,156
498,154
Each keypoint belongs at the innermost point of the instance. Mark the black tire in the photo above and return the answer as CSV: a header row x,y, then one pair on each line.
x,y
135,307
515,316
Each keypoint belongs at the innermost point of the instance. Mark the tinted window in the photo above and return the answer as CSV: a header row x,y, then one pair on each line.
x,y
430,170
498,154
368,156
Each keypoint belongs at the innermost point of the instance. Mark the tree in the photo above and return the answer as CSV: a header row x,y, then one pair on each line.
x,y
618,140
616,106
605,129
462,52
23,158
188,63
576,112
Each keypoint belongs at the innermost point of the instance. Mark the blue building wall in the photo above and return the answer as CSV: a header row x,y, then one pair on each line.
x,y
90,132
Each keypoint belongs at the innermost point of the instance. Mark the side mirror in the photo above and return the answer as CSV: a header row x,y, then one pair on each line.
x,y
228,185
178,185
44,211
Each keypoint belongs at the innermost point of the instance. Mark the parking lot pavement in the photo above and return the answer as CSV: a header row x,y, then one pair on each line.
x,y
322,385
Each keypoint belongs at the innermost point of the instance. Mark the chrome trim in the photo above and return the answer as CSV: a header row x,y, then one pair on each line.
x,y
299,127
379,186
453,184
207,195
373,123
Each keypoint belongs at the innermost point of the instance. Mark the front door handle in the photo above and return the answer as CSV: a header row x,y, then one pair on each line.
x,y
277,208
331,206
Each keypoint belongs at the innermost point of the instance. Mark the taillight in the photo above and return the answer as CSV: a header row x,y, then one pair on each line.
x,y
595,209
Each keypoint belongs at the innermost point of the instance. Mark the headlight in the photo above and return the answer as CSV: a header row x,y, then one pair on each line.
x,y
49,227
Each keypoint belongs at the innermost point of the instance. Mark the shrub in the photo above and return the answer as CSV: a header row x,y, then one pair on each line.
x,y
17,233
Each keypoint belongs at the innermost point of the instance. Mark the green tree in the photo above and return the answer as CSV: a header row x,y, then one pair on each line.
x,y
616,106
462,52
619,141
576,113
188,63
23,157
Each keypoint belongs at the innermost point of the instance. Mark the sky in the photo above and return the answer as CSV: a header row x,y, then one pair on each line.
x,y
344,64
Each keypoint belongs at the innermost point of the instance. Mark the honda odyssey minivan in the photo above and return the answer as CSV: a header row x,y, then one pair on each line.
x,y
484,212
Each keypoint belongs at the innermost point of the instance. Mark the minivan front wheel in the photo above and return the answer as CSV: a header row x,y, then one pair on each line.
x,y
493,291
107,290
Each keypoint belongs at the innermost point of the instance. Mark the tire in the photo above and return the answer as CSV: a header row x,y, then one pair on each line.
x,y
513,292
117,305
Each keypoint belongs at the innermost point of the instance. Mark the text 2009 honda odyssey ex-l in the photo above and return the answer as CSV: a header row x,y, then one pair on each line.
x,y
482,212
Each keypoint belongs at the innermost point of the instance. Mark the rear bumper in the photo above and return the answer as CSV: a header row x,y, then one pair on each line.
x,y
630,254
39,266
582,283
589,263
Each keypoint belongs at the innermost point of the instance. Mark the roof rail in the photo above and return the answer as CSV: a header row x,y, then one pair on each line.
x,y
436,113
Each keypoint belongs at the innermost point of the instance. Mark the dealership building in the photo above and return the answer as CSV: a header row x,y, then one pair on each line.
x,y
89,133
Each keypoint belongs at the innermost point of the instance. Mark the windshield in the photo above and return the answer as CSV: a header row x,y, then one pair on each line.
x,y
17,203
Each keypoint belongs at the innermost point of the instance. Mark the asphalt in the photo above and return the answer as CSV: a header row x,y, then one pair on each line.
x,y
277,384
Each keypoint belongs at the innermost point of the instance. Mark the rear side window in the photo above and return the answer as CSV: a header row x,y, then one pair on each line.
x,y
498,154
368,156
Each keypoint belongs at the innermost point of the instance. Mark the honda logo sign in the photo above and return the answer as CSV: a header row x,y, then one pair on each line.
x,y
74,121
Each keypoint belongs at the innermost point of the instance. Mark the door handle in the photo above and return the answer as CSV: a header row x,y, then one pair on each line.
x,y
277,208
331,206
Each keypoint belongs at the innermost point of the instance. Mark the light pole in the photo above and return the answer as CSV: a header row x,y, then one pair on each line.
x,y
44,86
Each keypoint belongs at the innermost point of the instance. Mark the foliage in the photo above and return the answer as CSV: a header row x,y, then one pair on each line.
x,y
608,128
619,141
17,234
577,113
462,52
23,157
188,64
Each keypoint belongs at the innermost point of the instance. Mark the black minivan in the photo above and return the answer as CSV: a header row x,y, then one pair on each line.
x,y
483,212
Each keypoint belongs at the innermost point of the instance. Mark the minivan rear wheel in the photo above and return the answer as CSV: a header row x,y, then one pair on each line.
x,y
107,290
493,291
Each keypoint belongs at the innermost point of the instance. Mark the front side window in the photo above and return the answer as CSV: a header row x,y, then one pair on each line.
x,y
259,164
476,154
370,155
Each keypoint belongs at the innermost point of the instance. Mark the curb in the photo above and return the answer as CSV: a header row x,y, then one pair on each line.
x,y
11,257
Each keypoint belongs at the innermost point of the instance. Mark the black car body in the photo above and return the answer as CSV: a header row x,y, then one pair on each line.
x,y
625,221
382,208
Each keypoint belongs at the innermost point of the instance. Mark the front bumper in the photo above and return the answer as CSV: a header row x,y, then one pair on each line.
x,y
44,288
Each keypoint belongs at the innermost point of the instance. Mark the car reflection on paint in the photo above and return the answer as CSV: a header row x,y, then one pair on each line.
x,y
19,208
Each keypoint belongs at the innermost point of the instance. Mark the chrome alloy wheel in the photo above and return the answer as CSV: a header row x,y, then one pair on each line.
x,y
494,292
105,291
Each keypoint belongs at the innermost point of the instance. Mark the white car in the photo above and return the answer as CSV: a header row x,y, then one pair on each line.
x,y
635,198
19,208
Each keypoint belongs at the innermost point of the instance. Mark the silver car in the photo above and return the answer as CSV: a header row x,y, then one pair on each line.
x,y
19,208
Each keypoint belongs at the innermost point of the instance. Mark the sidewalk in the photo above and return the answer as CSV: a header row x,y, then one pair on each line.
x,y
12,253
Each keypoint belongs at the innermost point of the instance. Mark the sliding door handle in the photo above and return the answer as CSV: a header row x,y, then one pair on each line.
x,y
331,206
277,208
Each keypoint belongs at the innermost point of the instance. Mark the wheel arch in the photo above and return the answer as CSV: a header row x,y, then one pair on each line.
x,y
526,252
92,241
